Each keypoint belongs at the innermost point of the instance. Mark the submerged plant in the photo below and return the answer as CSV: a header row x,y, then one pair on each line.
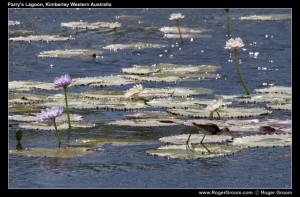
x,y
134,91
49,116
234,44
214,107
19,137
63,82
176,17
114,27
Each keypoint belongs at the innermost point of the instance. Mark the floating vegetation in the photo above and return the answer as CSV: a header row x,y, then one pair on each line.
x,y
69,53
268,97
187,36
287,106
46,38
60,125
34,117
225,112
128,17
19,32
180,152
264,140
103,81
152,115
178,102
167,68
85,25
16,98
67,152
267,17
13,23
184,30
29,85
275,90
161,78
194,139
139,45
147,122
114,141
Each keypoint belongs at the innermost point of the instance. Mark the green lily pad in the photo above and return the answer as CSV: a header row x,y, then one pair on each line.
x,y
187,36
57,153
194,139
139,71
139,45
267,17
60,125
46,38
287,106
23,98
19,32
152,78
224,113
264,140
21,108
102,81
151,115
85,25
268,97
29,85
147,122
180,152
68,53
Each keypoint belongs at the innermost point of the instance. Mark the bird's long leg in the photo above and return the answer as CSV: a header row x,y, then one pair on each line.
x,y
187,142
218,115
203,144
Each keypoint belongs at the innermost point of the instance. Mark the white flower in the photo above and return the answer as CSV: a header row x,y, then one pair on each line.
x,y
215,106
134,91
234,43
176,16
114,25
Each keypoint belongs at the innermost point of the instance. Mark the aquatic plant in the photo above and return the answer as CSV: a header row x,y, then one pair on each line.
x,y
114,27
234,44
228,22
63,82
49,115
176,17
214,107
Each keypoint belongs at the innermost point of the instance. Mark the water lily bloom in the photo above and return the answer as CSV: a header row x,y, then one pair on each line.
x,y
51,113
114,25
234,43
176,16
134,91
62,81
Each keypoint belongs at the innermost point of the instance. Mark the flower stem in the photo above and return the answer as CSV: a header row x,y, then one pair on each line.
x,y
116,33
238,70
177,22
211,114
67,110
57,134
228,23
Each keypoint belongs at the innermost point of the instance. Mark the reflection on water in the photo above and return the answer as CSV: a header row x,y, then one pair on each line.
x,y
265,60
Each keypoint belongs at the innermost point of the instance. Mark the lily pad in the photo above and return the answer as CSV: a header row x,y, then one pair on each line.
x,y
60,125
263,140
267,17
147,122
139,71
224,113
187,36
114,141
68,53
180,152
151,115
183,30
13,23
139,45
85,25
194,139
57,153
46,38
103,81
17,98
34,117
29,85
275,90
268,97
284,106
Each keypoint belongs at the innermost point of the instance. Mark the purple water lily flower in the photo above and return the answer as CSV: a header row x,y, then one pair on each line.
x,y
51,113
62,81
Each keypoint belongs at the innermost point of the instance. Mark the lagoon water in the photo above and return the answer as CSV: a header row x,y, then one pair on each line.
x,y
129,166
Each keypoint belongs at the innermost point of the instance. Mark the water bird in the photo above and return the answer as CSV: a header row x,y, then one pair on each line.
x,y
207,129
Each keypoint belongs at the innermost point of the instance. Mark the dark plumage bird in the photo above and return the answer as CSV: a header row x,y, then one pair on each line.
x,y
207,129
